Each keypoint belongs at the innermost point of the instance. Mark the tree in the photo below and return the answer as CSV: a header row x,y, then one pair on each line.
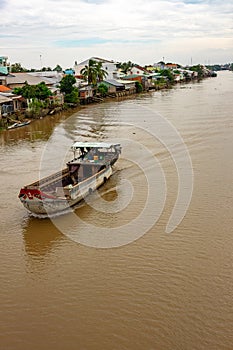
x,y
68,88
58,68
102,89
46,69
90,73
198,68
167,73
66,84
39,91
17,68
73,97
101,73
42,91
138,86
125,66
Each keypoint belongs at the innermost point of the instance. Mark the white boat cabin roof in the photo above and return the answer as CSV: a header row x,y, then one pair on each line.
x,y
77,145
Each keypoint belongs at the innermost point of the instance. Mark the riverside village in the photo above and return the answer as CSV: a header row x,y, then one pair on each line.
x,y
27,94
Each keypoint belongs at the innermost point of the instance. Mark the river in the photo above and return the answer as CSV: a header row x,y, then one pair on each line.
x,y
109,275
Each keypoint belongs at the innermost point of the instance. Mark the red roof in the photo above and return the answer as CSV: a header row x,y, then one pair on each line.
x,y
4,88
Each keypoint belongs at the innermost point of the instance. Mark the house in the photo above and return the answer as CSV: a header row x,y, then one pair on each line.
x,y
3,79
20,79
53,78
4,66
143,79
10,103
4,88
171,66
6,105
159,65
130,86
109,66
85,93
138,70
69,72
150,68
113,85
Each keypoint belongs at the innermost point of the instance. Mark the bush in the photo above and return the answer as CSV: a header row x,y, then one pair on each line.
x,y
139,87
72,97
103,89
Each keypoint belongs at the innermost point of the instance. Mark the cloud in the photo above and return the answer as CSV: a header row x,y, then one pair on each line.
x,y
143,29
2,3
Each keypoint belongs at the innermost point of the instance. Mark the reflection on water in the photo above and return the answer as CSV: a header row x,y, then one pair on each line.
x,y
39,129
40,236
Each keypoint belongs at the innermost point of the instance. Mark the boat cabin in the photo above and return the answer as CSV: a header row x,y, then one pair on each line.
x,y
90,158
95,151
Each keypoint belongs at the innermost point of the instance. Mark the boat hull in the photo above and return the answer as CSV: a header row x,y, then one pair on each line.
x,y
40,203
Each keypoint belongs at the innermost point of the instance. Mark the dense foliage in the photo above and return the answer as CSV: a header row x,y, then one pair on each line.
x,y
138,86
168,74
68,88
17,68
102,89
39,91
198,68
125,66
93,72
58,68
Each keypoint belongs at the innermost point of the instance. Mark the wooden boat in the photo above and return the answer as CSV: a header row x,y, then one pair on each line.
x,y
90,167
18,125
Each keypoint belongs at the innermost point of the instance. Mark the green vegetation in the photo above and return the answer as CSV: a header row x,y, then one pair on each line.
x,y
139,87
17,68
102,90
198,68
167,73
58,68
39,91
68,88
37,96
125,66
93,72
36,106
46,69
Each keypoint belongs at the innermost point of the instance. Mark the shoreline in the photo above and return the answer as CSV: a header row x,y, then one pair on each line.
x,y
73,109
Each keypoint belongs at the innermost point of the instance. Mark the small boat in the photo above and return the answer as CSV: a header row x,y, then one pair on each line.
x,y
90,167
18,125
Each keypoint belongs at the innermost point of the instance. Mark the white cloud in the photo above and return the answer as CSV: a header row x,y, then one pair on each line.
x,y
140,30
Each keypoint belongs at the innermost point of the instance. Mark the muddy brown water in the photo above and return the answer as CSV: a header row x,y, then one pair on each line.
x,y
158,291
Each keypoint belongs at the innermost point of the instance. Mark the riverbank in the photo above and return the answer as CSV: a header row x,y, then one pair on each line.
x,y
25,116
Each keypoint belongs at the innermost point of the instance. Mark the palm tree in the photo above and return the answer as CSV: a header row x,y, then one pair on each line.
x,y
125,66
90,72
101,73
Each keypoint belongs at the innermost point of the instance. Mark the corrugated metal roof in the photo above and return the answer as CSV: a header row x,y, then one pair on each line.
x,y
4,99
21,78
113,82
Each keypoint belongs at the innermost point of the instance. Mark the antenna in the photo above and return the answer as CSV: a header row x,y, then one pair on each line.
x,y
41,61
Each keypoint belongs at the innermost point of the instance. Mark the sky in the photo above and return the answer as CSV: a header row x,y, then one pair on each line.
x,y
44,33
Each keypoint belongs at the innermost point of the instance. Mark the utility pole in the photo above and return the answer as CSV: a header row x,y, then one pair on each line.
x,y
41,62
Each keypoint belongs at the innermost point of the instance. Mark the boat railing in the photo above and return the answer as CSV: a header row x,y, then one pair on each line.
x,y
51,178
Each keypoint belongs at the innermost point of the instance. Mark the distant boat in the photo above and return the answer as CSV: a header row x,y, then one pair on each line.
x,y
18,125
82,175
